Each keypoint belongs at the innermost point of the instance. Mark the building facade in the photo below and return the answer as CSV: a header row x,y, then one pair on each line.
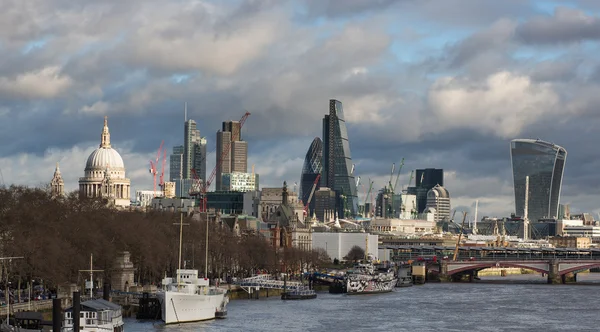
x,y
338,245
544,164
310,171
236,159
238,181
438,199
425,179
337,172
190,139
176,163
105,174
325,204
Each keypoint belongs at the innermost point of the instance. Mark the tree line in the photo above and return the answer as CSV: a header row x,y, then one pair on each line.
x,y
56,236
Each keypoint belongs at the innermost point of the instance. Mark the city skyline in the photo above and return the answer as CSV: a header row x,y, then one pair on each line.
x,y
442,85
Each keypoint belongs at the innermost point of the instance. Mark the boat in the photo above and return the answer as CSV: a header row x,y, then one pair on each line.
x,y
364,278
26,321
96,315
299,294
188,298
404,275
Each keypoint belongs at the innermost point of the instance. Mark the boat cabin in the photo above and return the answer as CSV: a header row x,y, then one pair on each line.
x,y
188,282
97,315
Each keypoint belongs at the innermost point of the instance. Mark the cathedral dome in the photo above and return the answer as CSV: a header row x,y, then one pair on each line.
x,y
104,157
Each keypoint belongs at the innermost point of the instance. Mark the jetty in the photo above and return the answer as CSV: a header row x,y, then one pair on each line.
x,y
292,290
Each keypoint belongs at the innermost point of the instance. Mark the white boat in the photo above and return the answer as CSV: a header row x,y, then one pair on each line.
x,y
96,316
191,299
366,279
188,298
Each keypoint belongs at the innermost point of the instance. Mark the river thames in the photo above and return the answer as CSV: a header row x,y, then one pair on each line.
x,y
516,303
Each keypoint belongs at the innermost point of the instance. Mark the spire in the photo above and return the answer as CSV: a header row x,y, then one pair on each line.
x,y
105,139
284,195
57,185
57,169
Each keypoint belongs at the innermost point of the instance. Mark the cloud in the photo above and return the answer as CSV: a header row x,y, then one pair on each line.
x,y
474,78
47,82
567,25
502,105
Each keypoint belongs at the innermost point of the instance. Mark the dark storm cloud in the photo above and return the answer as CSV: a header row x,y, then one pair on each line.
x,y
139,61
567,25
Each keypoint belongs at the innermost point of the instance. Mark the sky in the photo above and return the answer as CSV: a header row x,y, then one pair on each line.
x,y
443,84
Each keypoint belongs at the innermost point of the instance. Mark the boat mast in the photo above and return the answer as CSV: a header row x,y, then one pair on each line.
x,y
180,245
91,271
206,254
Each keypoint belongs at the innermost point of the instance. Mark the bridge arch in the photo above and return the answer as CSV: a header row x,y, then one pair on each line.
x,y
579,268
481,266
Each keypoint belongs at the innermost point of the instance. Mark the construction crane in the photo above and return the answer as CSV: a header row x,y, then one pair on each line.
x,y
397,177
392,175
161,182
367,197
410,178
312,191
154,164
462,228
224,154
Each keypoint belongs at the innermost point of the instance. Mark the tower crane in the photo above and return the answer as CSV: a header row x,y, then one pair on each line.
x,y
397,177
226,147
392,175
161,182
412,173
312,191
154,164
367,197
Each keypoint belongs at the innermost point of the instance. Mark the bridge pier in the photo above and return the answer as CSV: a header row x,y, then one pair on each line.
x,y
554,276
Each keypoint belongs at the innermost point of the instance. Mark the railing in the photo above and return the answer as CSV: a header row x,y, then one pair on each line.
x,y
31,306
266,281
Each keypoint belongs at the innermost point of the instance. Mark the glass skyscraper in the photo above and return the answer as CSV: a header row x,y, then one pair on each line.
x,y
311,169
337,161
544,163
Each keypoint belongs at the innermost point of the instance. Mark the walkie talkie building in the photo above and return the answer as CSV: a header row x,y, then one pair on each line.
x,y
544,163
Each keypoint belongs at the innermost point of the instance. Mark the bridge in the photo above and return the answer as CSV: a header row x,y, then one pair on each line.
x,y
559,264
266,281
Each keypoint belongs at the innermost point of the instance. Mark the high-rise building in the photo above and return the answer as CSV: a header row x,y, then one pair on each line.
x,y
176,163
543,163
425,180
310,170
190,140
199,160
236,159
438,199
337,161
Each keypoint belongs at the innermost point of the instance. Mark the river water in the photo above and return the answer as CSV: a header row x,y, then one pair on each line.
x,y
515,303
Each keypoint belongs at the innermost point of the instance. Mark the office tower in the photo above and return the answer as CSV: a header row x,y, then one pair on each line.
x,y
310,170
337,161
425,180
544,163
438,199
190,140
236,159
176,163
199,160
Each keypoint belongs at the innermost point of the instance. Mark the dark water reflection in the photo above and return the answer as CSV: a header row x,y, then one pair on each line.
x,y
525,304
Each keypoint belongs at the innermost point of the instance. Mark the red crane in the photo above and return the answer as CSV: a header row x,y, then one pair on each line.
x,y
312,191
154,164
162,171
204,186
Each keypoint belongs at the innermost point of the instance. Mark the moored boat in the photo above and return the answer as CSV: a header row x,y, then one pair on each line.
x,y
364,278
404,275
95,316
190,299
